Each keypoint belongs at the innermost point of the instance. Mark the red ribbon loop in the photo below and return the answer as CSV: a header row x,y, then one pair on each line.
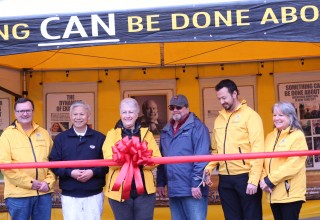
x,y
130,153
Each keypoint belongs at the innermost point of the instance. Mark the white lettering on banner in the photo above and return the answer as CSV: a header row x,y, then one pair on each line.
x,y
74,21
75,26
43,28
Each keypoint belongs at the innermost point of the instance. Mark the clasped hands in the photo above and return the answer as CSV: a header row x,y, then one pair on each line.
x,y
82,175
41,186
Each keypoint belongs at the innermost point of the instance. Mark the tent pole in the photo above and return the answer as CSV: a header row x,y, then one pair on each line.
x,y
25,91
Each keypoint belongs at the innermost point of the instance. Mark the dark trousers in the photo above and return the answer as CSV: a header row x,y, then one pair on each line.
x,y
137,208
286,211
236,204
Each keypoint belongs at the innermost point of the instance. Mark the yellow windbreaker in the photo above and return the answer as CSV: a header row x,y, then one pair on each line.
x,y
235,133
288,174
17,147
113,136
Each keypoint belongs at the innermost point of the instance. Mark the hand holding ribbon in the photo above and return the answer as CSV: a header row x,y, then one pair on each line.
x,y
130,153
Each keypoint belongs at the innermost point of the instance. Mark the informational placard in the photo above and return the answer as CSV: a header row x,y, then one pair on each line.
x,y
58,110
4,113
305,96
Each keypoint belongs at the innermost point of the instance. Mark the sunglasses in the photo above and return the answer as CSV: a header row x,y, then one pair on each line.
x,y
172,107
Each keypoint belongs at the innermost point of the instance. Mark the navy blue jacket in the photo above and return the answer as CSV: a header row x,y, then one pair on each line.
x,y
191,139
69,146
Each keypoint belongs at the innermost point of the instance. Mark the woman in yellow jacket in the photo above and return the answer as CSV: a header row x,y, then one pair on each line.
x,y
284,179
137,206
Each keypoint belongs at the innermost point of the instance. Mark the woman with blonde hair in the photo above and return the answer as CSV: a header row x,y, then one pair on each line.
x,y
284,179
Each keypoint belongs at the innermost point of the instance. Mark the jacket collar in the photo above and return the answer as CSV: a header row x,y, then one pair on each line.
x,y
16,125
72,133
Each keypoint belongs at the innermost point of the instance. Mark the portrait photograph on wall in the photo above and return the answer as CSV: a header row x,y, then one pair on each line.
x,y
153,112
153,108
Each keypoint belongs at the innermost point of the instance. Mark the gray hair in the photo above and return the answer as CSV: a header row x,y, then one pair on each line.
x,y
288,110
80,104
130,102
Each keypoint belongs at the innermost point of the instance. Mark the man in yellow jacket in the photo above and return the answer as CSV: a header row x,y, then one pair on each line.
x,y
27,192
237,129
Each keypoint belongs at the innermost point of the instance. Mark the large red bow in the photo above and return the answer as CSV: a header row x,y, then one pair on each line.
x,y
130,153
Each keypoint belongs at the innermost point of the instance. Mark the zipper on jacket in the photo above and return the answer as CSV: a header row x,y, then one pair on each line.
x,y
35,159
224,143
274,147
110,180
242,159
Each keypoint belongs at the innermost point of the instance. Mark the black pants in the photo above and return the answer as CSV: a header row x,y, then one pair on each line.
x,y
236,204
138,208
286,211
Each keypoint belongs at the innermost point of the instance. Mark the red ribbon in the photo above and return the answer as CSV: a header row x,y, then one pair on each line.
x,y
130,153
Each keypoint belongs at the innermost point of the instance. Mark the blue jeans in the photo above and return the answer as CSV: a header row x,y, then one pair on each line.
x,y
183,208
34,207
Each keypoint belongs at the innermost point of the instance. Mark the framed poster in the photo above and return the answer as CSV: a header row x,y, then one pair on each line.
x,y
57,99
58,107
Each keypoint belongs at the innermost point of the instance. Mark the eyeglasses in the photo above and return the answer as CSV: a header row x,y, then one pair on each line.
x,y
172,107
28,111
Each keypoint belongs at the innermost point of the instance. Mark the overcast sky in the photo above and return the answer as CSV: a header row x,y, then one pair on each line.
x,y
14,8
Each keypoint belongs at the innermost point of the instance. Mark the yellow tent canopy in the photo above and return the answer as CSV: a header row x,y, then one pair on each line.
x,y
160,55
110,34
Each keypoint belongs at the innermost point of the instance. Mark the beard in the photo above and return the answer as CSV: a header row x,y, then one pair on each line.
x,y
177,117
227,107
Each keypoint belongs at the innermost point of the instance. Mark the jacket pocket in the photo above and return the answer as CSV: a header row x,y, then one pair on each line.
x,y
287,186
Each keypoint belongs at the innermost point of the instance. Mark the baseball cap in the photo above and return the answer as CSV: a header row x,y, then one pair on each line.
x,y
179,100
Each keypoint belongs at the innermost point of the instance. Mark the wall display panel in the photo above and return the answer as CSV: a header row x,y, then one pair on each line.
x,y
5,114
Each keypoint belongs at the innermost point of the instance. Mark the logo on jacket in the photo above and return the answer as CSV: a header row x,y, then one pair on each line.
x,y
92,146
282,142
39,137
237,118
